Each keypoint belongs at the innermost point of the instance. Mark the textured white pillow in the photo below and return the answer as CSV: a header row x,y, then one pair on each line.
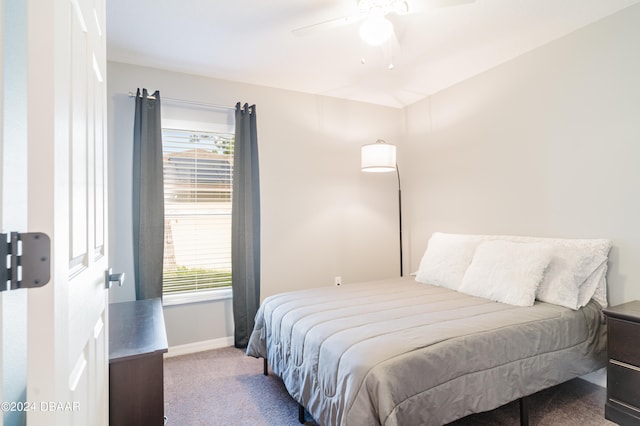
x,y
594,287
446,259
600,274
507,271
568,270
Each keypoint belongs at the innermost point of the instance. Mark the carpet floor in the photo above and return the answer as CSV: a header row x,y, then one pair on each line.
x,y
225,387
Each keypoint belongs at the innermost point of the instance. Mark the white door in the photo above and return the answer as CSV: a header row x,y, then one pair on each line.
x,y
67,379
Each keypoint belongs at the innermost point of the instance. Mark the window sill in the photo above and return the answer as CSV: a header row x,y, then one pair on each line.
x,y
197,296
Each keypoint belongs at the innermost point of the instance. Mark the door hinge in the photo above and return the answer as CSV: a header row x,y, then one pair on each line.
x,y
25,260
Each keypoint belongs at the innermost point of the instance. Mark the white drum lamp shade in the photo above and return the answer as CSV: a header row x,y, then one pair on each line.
x,y
378,157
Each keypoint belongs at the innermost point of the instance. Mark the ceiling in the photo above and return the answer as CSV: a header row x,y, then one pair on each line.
x,y
251,41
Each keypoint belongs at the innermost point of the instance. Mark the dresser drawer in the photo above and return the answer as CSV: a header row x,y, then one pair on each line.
x,y
623,337
623,385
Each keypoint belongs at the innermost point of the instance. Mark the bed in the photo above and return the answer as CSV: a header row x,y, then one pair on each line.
x,y
436,347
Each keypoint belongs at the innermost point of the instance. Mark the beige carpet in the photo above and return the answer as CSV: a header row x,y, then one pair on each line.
x,y
225,387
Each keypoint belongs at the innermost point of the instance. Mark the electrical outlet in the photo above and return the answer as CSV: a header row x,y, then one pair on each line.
x,y
337,281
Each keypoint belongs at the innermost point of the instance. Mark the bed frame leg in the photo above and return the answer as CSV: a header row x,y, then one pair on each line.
x,y
265,370
300,414
524,411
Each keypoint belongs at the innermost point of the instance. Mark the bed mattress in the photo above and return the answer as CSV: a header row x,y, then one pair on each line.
x,y
398,352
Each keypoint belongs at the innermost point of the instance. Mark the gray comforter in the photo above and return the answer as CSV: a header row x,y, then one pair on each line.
x,y
397,352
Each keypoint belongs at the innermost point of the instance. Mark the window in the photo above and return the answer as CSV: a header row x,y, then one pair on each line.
x,y
198,169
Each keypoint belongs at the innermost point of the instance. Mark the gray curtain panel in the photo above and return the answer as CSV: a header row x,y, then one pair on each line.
x,y
148,197
245,225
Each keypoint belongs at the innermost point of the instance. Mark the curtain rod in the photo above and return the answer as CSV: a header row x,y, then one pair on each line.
x,y
180,101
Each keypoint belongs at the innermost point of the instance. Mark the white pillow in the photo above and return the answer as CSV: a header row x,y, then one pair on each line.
x,y
600,275
594,287
446,259
507,271
568,270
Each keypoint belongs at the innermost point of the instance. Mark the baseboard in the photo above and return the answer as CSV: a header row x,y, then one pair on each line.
x,y
205,345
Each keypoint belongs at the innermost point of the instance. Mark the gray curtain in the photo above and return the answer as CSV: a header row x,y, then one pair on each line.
x,y
148,197
245,225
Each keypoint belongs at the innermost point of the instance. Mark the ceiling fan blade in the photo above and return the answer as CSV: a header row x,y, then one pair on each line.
x,y
326,25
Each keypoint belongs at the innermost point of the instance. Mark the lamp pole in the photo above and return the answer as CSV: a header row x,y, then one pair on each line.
x,y
399,216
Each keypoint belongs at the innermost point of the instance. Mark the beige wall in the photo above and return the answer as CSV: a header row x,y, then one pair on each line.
x,y
547,144
321,216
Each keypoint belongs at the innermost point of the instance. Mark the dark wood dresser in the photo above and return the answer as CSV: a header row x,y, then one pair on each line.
x,y
137,342
623,369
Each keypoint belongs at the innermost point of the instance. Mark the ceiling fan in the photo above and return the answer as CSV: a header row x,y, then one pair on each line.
x,y
375,28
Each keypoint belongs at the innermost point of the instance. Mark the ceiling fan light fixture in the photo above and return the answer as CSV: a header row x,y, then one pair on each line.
x,y
376,29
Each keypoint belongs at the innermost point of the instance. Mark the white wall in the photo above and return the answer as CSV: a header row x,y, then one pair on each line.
x,y
547,144
321,216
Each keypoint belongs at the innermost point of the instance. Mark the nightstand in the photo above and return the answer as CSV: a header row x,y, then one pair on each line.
x,y
137,342
623,369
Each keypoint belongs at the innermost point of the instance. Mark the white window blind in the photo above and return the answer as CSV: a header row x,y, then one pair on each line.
x,y
198,170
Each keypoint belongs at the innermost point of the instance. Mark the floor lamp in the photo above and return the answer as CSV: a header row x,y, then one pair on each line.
x,y
380,157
